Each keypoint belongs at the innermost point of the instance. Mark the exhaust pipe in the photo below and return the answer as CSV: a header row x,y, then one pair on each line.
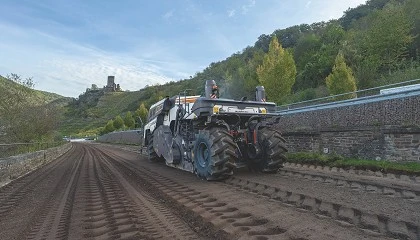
x,y
260,94
211,89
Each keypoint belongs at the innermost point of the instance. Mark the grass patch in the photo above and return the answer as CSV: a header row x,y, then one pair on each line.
x,y
411,168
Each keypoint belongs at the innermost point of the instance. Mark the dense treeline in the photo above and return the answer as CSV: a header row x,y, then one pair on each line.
x,y
130,121
378,42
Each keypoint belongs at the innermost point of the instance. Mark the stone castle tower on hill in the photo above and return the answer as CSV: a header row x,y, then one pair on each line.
x,y
111,86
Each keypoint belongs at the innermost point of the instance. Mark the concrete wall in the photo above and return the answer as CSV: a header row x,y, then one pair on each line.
x,y
16,166
388,130
124,137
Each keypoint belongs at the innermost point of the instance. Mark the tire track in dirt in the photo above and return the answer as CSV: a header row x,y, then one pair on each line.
x,y
12,194
99,192
155,217
108,213
38,194
116,208
234,222
408,191
360,218
394,227
53,223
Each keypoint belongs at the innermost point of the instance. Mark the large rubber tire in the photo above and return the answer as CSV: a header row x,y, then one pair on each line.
x,y
153,157
214,154
273,150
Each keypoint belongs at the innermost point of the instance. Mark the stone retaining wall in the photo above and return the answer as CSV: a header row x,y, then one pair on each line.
x,y
16,166
123,137
403,111
384,130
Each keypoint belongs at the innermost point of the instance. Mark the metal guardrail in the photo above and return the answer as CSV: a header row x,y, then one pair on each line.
x,y
350,102
12,149
361,96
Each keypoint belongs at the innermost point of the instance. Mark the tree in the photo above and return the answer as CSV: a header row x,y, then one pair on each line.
x,y
289,36
389,36
379,43
118,122
412,7
28,82
24,114
249,72
333,33
263,42
109,127
142,113
278,72
341,80
129,120
306,47
307,58
234,80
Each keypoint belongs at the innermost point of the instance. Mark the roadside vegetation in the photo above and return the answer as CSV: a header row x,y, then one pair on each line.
x,y
28,115
410,168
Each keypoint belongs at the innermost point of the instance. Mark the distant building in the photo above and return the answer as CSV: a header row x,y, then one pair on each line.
x,y
110,86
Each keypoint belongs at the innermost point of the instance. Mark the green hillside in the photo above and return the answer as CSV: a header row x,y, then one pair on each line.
x,y
374,44
94,109
28,115
37,97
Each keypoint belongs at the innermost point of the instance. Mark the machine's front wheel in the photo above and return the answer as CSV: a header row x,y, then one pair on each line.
x,y
153,157
214,154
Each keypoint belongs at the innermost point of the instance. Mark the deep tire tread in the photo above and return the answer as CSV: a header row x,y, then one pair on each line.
x,y
274,147
223,156
153,157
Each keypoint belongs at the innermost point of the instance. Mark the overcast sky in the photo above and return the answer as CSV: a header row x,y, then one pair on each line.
x,y
67,45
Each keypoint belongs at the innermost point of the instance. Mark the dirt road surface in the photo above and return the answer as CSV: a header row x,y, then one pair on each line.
x,y
98,191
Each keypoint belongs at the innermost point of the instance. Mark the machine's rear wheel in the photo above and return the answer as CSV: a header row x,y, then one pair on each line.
x,y
214,154
273,150
153,157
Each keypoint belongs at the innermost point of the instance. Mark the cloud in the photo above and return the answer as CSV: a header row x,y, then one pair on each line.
x,y
168,14
64,67
281,14
231,13
335,9
217,39
245,8
131,74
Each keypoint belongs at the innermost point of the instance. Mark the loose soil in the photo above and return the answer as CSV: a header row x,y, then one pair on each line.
x,y
98,191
